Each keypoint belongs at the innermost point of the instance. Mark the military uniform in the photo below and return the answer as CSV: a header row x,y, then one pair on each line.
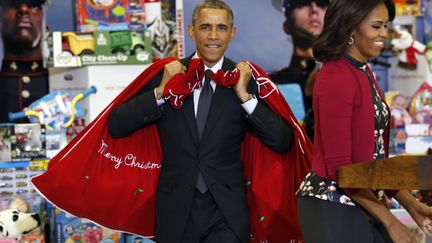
x,y
21,83
297,72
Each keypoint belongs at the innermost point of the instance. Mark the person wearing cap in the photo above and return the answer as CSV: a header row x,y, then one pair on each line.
x,y
23,78
304,22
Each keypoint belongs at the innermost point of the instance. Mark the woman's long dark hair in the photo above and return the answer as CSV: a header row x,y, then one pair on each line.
x,y
340,19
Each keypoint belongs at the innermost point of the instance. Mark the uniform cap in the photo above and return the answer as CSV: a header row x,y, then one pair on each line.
x,y
29,2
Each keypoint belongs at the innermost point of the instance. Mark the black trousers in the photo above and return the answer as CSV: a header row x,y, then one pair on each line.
x,y
329,222
206,224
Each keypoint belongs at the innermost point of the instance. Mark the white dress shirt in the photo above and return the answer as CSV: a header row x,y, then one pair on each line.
x,y
249,105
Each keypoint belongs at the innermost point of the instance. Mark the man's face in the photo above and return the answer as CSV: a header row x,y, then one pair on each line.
x,y
22,22
212,32
310,17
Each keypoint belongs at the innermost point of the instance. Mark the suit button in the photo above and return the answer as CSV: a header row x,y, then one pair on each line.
x,y
25,93
26,79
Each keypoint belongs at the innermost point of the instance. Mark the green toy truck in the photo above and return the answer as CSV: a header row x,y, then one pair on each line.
x,y
127,42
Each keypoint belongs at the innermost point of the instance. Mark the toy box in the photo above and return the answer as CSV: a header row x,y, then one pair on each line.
x,y
22,142
419,138
163,18
71,229
103,15
56,140
110,81
73,49
407,7
136,239
15,180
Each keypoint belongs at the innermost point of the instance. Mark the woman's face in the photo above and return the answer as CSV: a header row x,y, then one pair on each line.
x,y
369,36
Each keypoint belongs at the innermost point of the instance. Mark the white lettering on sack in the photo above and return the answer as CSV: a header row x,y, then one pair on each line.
x,y
129,160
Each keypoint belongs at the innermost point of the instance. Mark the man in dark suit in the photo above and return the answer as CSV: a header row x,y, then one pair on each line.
x,y
201,195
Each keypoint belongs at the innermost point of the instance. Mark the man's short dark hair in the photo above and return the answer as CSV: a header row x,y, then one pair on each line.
x,y
214,4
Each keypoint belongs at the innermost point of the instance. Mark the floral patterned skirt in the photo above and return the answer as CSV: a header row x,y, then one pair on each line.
x,y
325,189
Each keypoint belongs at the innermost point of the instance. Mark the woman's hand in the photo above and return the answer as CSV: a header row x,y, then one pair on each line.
x,y
399,232
422,215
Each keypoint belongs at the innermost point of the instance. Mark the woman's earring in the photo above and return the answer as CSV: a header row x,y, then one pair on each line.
x,y
351,40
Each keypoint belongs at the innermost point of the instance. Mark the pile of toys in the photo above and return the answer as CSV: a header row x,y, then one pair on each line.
x,y
411,122
73,49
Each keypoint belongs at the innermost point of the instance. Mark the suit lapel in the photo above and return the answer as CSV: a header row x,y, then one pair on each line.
x,y
188,107
189,111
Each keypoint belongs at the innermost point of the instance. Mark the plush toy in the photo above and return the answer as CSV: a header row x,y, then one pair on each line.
x,y
14,224
407,47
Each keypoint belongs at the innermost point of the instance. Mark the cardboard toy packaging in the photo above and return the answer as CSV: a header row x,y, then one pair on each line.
x,y
110,81
419,138
163,18
74,49
105,15
69,228
136,239
22,142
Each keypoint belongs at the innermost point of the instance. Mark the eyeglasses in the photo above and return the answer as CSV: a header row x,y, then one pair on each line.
x,y
302,3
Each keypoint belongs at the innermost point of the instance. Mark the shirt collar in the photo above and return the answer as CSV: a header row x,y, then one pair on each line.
x,y
216,67
357,64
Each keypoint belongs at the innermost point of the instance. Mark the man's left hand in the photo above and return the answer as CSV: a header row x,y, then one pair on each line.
x,y
241,87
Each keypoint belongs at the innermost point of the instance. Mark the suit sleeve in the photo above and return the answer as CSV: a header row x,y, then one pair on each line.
x,y
272,130
137,112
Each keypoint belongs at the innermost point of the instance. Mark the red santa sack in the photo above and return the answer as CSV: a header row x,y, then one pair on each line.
x,y
116,186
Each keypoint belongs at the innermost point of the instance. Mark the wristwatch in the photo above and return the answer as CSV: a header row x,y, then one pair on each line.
x,y
251,96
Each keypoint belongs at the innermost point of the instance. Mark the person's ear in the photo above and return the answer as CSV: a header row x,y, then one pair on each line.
x,y
233,33
191,31
286,27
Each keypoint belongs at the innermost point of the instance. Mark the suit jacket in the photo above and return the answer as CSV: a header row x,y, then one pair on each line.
x,y
21,83
217,155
